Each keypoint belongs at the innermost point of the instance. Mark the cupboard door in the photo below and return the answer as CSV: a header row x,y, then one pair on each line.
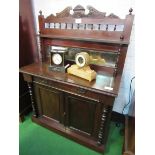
x,y
82,115
49,101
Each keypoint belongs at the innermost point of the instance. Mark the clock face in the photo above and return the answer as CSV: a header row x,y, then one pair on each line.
x,y
82,59
57,59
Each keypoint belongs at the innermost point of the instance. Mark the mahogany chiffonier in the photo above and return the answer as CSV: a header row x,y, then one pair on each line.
x,y
69,105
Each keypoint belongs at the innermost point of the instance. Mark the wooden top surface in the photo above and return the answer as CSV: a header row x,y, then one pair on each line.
x,y
98,85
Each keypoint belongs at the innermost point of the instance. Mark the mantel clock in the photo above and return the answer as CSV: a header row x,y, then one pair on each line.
x,y
57,56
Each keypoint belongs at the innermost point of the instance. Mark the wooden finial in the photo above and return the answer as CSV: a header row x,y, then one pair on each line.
x,y
130,10
40,12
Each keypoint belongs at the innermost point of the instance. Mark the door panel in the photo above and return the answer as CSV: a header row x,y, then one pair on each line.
x,y
80,114
49,102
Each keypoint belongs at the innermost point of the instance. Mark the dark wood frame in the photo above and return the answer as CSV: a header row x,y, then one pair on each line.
x,y
74,87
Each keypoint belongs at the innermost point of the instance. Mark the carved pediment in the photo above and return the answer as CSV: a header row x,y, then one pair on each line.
x,y
79,12
112,16
64,13
95,13
51,15
79,8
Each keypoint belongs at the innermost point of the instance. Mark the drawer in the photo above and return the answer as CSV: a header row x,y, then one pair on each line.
x,y
76,90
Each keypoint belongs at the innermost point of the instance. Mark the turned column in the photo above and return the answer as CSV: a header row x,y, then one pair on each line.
x,y
102,126
28,79
34,107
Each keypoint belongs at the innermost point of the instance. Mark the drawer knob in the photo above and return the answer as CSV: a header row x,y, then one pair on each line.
x,y
81,91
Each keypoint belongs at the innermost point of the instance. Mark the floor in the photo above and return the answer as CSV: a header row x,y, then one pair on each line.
x,y
36,140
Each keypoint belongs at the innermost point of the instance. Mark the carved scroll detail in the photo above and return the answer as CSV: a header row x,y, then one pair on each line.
x,y
95,13
102,125
79,11
113,16
64,13
35,113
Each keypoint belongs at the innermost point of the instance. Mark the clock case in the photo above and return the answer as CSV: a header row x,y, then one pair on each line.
x,y
61,66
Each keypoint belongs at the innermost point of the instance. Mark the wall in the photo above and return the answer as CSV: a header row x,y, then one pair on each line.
x,y
118,7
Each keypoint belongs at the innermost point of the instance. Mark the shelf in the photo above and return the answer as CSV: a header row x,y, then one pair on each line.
x,y
64,37
98,85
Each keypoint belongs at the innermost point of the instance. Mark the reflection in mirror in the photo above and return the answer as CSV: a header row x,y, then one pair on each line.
x,y
101,58
71,53
104,81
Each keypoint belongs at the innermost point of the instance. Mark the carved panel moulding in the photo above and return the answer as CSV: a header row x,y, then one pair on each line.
x,y
79,12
